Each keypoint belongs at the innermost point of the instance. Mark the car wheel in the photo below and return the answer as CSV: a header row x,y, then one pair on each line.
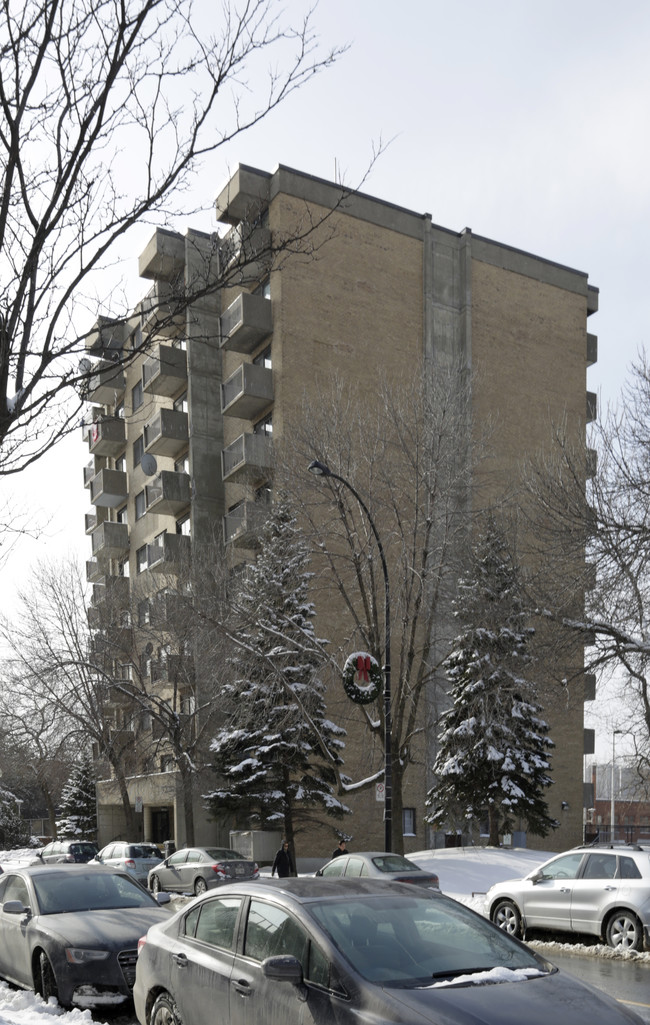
x,y
165,1011
506,915
624,930
155,884
200,886
47,984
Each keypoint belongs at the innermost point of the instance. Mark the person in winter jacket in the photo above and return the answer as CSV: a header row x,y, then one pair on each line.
x,y
341,849
283,862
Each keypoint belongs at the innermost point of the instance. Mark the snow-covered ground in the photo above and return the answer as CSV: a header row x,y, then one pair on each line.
x,y
465,874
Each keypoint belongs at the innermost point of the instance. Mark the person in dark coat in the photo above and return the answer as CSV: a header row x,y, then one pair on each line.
x,y
341,849
283,862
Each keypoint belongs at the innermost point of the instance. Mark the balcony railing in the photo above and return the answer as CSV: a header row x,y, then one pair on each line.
x,y
246,252
162,311
108,488
114,591
168,493
167,433
107,385
246,323
111,540
241,526
165,373
90,471
249,458
107,437
247,392
168,552
107,337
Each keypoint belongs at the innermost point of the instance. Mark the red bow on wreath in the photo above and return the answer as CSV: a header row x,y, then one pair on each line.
x,y
363,669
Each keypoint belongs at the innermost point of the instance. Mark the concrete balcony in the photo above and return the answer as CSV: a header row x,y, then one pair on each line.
x,y
592,463
244,196
167,433
592,406
247,392
168,493
107,436
165,373
249,458
162,311
114,591
164,256
111,540
90,471
106,386
107,337
95,570
109,488
168,552
241,526
592,350
175,669
246,323
246,252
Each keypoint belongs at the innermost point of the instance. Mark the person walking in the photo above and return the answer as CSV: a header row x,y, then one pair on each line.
x,y
341,849
283,862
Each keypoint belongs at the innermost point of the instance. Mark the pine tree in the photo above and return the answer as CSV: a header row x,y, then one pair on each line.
x,y
494,747
13,831
275,758
79,804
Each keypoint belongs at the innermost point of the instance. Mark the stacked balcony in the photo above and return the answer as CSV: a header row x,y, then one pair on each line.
x,y
107,337
108,488
168,552
168,493
113,590
167,433
165,373
241,526
95,570
246,252
107,437
246,323
163,257
592,406
248,459
162,311
247,392
106,385
110,540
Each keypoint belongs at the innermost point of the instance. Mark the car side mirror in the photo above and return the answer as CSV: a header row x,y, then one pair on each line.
x,y
537,878
15,907
285,968
162,897
319,872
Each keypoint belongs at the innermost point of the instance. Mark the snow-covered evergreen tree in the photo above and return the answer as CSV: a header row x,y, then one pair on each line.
x,y
78,814
494,748
13,831
276,756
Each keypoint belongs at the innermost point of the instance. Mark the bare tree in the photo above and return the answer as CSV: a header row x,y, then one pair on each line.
x,y
106,110
606,603
410,459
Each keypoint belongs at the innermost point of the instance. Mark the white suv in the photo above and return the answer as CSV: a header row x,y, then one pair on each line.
x,y
601,890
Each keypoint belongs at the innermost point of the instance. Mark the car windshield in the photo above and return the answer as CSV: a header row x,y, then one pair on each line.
x,y
419,942
142,852
394,863
85,891
223,854
83,848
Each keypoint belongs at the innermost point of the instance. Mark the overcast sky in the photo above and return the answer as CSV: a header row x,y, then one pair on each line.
x,y
527,123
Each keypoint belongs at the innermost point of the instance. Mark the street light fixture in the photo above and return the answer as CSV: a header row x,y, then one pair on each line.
x,y
322,470
612,808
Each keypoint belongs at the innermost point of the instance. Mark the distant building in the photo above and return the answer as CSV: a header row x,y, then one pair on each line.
x,y
213,393
631,803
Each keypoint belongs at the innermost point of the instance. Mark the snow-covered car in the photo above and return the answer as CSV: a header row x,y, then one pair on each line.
x,y
381,864
135,858
71,931
603,891
197,869
306,951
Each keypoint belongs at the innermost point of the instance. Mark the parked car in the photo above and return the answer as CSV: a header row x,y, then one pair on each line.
x,y
71,931
135,858
603,891
303,951
197,869
380,864
78,851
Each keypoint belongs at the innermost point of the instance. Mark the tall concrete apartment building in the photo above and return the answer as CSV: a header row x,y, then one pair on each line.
x,y
181,441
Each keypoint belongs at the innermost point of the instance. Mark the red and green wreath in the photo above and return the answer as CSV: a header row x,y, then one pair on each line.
x,y
362,678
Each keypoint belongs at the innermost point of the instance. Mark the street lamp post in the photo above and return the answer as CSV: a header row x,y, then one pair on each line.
x,y
612,807
321,470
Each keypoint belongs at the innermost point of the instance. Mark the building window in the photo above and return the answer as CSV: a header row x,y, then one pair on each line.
x,y
144,613
138,450
120,463
167,764
140,507
123,568
141,559
263,289
408,821
264,426
180,404
182,465
137,397
263,358
121,516
119,410
184,526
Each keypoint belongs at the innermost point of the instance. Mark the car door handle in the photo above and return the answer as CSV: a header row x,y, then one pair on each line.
x,y
565,889
611,887
181,960
243,987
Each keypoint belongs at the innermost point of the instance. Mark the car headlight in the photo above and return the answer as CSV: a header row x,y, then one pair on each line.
x,y
80,955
